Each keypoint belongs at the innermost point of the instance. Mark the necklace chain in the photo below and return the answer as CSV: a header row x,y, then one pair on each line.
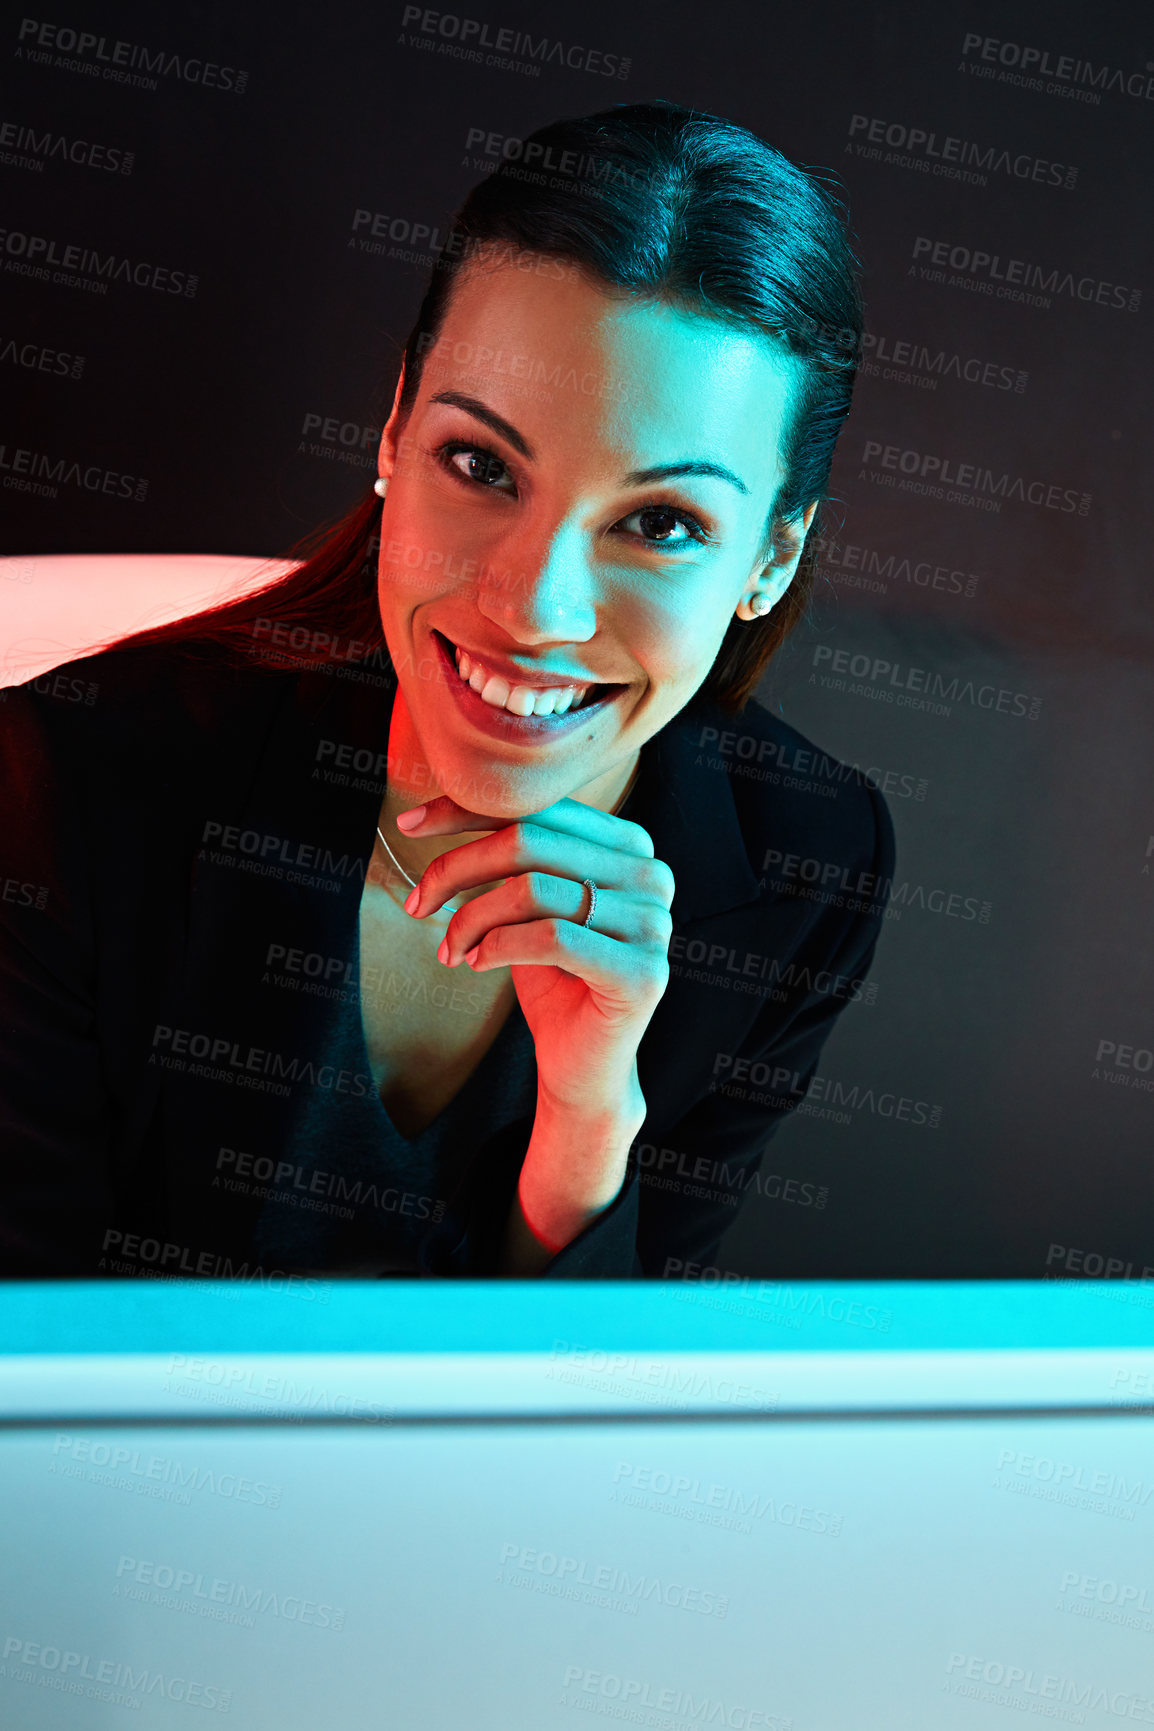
x,y
448,908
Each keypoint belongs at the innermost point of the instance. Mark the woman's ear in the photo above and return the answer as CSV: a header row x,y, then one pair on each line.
x,y
390,445
789,540
769,583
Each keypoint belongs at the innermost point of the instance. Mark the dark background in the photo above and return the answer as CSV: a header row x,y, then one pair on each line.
x,y
1043,821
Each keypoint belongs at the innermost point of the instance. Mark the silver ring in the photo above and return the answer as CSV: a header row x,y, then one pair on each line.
x,y
592,888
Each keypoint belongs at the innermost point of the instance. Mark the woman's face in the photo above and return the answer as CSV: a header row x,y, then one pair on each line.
x,y
578,499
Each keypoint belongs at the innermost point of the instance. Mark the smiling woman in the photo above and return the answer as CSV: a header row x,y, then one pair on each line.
x,y
502,685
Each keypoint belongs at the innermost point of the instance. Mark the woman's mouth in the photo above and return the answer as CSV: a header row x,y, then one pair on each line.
x,y
514,709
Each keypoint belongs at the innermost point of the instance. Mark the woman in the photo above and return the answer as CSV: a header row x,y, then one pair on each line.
x,y
448,908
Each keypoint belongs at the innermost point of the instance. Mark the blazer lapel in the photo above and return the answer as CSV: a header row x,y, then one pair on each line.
x,y
726,924
281,871
687,807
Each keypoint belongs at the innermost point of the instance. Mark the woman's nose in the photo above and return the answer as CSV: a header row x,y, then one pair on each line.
x,y
542,590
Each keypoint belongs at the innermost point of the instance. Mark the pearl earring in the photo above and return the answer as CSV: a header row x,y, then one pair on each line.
x,y
759,603
381,486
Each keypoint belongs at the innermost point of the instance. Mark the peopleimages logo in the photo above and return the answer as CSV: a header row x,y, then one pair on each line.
x,y
1010,1685
787,1087
410,239
859,567
39,357
612,1578
36,472
637,1692
164,1471
38,256
171,1047
1015,279
182,1589
468,36
743,749
950,157
25,147
271,853
970,480
1093,1265
1017,63
540,161
116,1681
903,361
120,62
690,1499
923,688
1105,1601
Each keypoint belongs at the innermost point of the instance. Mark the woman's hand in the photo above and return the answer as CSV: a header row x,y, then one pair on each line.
x,y
587,993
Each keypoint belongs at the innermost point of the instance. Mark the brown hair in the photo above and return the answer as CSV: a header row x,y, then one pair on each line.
x,y
652,199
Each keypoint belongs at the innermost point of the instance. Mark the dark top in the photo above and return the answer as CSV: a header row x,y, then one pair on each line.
x,y
180,1039
368,1212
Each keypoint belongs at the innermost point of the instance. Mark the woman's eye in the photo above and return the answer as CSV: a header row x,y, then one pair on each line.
x,y
477,464
658,525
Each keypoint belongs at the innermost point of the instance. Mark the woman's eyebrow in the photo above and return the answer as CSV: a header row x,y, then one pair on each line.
x,y
698,466
636,477
474,406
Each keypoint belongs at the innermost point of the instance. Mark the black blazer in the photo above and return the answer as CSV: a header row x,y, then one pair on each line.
x,y
113,923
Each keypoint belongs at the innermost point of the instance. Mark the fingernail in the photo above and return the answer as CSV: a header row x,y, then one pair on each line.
x,y
411,900
443,950
410,819
471,955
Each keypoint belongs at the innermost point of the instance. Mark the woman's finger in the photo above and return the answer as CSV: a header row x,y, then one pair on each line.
x,y
536,896
528,846
443,816
627,976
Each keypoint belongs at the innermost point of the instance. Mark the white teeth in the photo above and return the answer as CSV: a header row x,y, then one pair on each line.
x,y
495,691
521,700
517,699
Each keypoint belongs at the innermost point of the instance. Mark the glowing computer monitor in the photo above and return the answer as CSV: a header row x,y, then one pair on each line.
x,y
535,1505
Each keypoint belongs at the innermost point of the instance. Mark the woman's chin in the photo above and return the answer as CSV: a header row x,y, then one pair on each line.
x,y
479,784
